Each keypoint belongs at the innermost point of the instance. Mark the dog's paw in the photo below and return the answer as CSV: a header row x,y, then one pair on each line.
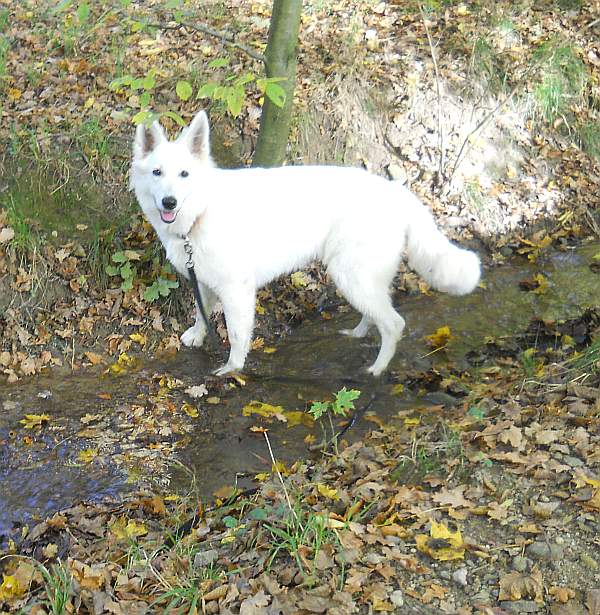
x,y
375,370
226,369
193,337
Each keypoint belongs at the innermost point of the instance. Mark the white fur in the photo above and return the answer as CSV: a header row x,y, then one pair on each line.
x,y
253,225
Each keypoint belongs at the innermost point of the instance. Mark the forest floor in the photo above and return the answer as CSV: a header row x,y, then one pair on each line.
x,y
489,504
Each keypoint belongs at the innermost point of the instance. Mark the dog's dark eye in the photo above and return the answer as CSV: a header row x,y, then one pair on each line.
x,y
157,172
184,174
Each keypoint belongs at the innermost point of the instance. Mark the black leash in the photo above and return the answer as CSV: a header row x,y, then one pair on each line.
x,y
187,246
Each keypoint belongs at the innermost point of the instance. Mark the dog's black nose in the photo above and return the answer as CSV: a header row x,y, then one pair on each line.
x,y
169,202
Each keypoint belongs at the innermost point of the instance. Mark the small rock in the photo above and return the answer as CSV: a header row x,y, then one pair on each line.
x,y
45,394
460,577
397,598
544,551
588,562
205,558
397,173
574,462
482,598
521,606
520,563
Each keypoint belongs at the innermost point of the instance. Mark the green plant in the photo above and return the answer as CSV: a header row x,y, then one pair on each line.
x,y
589,138
528,362
342,403
58,585
25,238
563,78
231,90
184,593
161,287
124,267
4,47
301,534
4,19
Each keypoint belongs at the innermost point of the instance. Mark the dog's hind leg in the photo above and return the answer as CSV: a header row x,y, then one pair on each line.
x,y
368,293
361,329
194,336
390,325
239,303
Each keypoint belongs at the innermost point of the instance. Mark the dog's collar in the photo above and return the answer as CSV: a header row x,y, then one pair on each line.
x,y
185,236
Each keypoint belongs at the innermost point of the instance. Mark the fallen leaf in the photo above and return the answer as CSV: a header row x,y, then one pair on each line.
x,y
442,544
518,586
440,338
34,420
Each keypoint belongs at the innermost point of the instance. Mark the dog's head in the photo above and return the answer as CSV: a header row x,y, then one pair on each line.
x,y
166,175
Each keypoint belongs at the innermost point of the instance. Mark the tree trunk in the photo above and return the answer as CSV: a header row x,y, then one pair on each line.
x,y
280,60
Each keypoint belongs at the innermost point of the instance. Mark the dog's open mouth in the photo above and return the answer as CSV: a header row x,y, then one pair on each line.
x,y
167,216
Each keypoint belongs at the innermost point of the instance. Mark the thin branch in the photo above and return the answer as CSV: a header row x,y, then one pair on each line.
x,y
228,39
439,97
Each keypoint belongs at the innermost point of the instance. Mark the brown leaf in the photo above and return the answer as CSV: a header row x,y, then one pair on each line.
x,y
517,586
452,497
592,601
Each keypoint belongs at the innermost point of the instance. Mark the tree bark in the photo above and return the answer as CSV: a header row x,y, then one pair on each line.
x,y
280,62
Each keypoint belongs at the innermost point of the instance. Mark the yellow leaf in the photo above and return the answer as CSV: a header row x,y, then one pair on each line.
x,y
14,93
34,420
297,417
542,284
261,476
412,422
440,338
269,350
398,389
190,410
10,588
280,467
89,102
300,279
257,343
125,529
263,409
327,492
442,544
138,338
88,455
123,364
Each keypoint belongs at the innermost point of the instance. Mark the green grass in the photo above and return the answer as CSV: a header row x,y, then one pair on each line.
x,y
301,534
58,585
48,204
486,65
4,47
589,138
562,80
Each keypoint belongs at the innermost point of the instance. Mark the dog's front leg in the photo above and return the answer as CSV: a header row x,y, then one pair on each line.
x,y
238,302
195,335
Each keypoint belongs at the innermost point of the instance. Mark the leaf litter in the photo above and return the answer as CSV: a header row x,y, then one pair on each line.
x,y
514,467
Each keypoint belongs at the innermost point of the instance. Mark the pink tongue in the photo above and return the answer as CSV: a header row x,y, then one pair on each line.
x,y
167,216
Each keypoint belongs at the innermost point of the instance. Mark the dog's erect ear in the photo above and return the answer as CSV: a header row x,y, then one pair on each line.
x,y
146,139
196,136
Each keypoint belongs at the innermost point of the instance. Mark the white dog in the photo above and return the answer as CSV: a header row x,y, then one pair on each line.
x,y
249,226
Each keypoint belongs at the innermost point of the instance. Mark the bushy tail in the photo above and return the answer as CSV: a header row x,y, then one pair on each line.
x,y
440,263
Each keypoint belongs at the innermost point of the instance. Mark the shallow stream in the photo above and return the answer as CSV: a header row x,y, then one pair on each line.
x,y
46,469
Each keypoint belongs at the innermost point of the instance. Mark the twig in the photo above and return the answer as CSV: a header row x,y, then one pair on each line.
x,y
439,98
287,497
228,39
